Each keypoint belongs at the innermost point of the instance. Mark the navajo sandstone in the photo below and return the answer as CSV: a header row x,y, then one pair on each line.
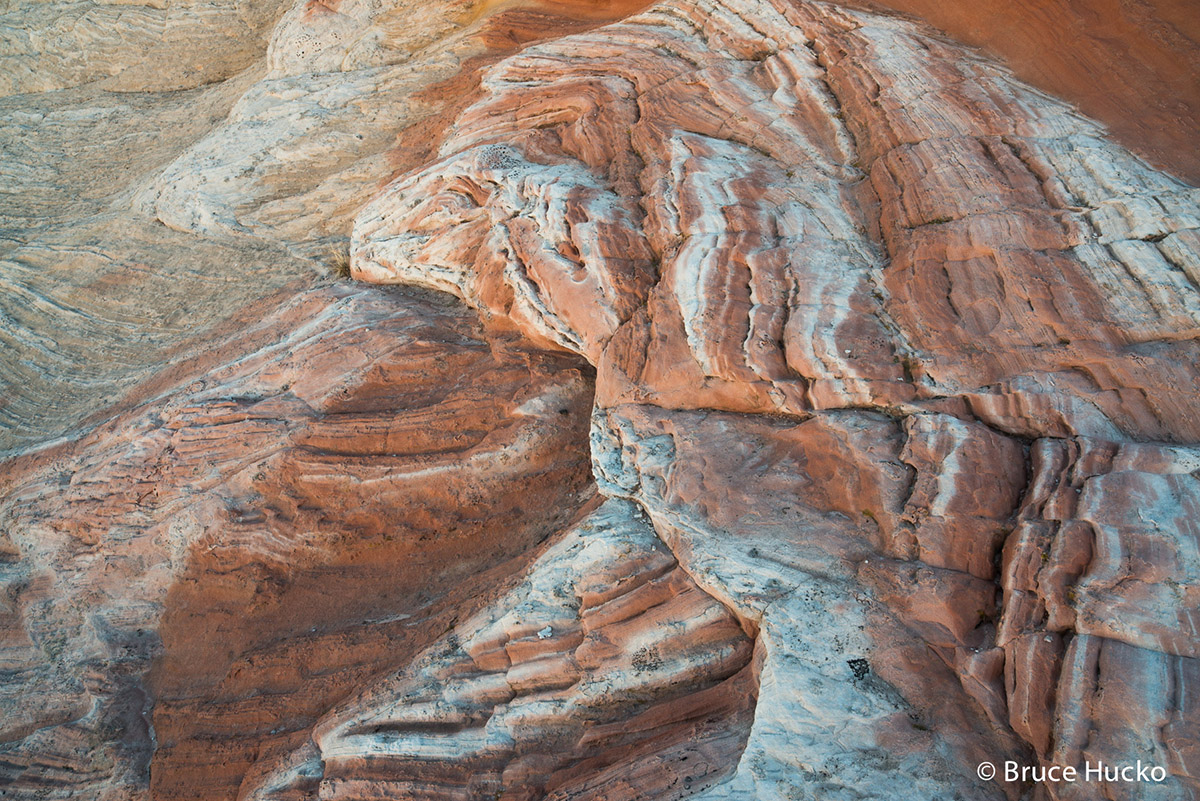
x,y
739,399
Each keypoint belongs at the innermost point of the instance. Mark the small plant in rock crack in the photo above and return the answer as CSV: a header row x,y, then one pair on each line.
x,y
339,261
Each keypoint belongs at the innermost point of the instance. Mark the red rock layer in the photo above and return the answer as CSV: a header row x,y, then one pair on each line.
x,y
936,275
896,356
271,535
1132,66
1026,294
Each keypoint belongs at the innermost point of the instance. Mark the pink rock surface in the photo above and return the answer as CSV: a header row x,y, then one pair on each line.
x,y
929,279
821,422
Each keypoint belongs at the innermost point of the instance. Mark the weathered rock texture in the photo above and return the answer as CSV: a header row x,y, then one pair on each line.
x,y
604,672
227,196
272,534
964,319
1132,65
821,420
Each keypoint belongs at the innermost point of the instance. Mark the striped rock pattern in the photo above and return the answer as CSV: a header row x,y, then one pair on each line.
x,y
963,324
821,419
202,576
606,671
145,225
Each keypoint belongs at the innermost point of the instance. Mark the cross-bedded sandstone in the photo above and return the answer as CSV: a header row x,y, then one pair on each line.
x,y
892,392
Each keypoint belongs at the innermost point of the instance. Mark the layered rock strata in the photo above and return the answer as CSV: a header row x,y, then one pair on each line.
x,y
1131,65
856,300
183,591
153,204
606,671
883,365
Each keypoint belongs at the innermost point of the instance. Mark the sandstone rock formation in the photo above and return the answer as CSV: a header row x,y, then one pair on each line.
x,y
819,420
272,533
602,673
1132,65
227,198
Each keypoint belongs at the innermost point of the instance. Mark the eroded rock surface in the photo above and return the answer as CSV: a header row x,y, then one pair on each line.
x,y
224,193
878,296
606,671
821,420
1131,65
205,574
